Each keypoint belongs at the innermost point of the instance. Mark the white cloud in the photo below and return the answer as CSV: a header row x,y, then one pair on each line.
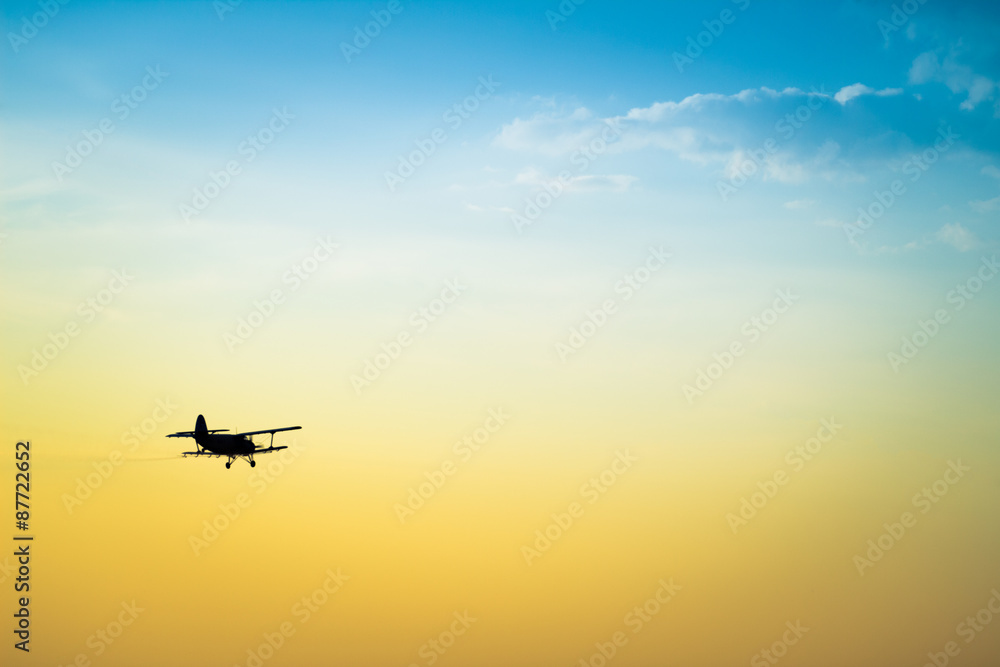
x,y
828,152
952,234
35,188
924,68
530,176
783,169
991,170
959,78
957,236
916,244
555,133
831,222
799,204
601,183
986,206
533,178
713,130
658,111
549,133
848,93
689,143
781,166
678,127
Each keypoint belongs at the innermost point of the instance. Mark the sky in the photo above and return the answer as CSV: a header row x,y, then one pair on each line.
x,y
632,333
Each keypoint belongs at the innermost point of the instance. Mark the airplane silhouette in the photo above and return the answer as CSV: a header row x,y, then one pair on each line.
x,y
231,445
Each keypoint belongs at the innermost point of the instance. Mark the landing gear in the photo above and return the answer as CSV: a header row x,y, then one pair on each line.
x,y
228,464
253,463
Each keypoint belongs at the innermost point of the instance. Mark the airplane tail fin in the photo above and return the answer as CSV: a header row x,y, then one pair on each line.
x,y
200,428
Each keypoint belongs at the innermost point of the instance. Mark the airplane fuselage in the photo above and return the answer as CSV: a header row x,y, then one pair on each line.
x,y
226,444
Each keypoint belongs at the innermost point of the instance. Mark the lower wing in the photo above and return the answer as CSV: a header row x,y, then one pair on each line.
x,y
264,450
191,434
268,449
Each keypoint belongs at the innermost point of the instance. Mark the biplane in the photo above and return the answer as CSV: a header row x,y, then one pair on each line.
x,y
220,442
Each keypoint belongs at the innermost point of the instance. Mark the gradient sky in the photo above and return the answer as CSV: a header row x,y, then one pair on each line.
x,y
704,161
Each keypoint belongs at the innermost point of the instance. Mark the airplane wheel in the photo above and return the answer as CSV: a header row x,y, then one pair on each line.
x,y
253,464
227,465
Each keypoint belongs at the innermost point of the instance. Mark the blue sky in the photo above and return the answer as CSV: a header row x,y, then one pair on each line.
x,y
353,119
881,98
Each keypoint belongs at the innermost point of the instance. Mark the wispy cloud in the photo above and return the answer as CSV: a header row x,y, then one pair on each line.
x,y
957,236
927,67
709,129
549,133
985,206
660,111
601,183
848,93
798,204
534,178
991,171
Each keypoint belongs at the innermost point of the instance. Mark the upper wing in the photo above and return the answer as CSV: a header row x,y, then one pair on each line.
x,y
190,434
271,430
